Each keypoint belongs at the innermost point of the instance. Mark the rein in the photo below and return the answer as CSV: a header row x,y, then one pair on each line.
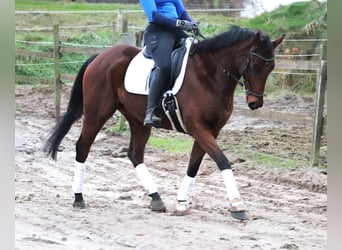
x,y
243,82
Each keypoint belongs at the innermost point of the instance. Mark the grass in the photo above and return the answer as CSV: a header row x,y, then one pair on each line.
x,y
243,150
172,144
178,144
118,129
25,5
273,161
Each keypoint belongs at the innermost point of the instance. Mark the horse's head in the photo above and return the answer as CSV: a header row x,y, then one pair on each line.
x,y
241,52
257,66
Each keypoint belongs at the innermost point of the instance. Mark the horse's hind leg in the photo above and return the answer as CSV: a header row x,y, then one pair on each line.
x,y
92,123
139,137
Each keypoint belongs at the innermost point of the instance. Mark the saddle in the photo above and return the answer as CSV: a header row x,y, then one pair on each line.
x,y
177,56
141,67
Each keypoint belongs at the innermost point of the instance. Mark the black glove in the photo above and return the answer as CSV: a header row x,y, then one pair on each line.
x,y
188,26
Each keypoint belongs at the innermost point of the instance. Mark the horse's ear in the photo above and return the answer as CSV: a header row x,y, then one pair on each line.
x,y
278,41
257,37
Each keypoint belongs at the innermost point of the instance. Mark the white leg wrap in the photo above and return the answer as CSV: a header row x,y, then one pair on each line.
x,y
229,182
79,169
146,179
185,188
184,193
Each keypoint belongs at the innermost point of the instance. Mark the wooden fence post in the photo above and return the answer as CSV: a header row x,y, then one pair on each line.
x,y
121,27
319,107
121,23
139,39
57,78
113,32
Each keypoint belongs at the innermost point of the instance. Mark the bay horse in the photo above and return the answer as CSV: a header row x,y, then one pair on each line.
x,y
217,65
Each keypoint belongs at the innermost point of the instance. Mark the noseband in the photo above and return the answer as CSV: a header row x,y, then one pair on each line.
x,y
243,82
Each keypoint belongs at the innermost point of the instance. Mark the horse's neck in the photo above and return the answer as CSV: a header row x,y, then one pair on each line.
x,y
213,78
232,58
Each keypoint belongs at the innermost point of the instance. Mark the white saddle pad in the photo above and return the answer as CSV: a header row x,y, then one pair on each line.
x,y
137,74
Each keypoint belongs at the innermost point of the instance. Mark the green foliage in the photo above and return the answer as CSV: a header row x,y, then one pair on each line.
x,y
299,20
296,20
76,62
304,85
98,39
293,20
35,68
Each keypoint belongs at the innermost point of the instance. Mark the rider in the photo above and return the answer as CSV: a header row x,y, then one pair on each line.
x,y
167,20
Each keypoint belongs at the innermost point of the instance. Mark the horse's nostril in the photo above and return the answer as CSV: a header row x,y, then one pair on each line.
x,y
254,105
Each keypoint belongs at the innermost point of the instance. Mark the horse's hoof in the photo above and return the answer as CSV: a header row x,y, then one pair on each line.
x,y
79,204
238,209
181,212
158,206
182,209
239,215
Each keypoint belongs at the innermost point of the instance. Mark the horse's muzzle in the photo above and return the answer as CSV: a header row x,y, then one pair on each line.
x,y
254,105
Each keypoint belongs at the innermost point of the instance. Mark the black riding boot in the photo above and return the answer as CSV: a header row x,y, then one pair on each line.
x,y
153,99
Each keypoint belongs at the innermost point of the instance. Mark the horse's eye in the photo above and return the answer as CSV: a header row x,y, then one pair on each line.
x,y
256,68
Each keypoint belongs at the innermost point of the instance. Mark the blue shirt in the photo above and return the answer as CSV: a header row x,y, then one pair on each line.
x,y
164,12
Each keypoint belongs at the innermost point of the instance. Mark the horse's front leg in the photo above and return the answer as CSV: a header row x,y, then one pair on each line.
x,y
188,183
208,143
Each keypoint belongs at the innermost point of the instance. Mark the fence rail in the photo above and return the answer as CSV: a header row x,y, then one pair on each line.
x,y
80,50
297,64
283,62
31,79
41,54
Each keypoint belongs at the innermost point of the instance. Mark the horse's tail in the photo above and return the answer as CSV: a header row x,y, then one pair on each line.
x,y
73,113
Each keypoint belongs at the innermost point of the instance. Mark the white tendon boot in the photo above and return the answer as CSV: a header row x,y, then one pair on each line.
x,y
237,207
183,195
146,179
149,185
77,184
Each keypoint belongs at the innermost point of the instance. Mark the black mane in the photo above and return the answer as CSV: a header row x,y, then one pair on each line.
x,y
234,35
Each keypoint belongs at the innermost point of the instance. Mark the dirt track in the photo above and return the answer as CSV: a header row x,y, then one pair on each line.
x,y
288,208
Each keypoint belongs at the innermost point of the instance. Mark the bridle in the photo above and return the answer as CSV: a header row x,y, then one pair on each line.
x,y
243,82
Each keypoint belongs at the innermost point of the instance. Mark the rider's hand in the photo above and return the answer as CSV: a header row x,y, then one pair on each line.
x,y
196,29
188,26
